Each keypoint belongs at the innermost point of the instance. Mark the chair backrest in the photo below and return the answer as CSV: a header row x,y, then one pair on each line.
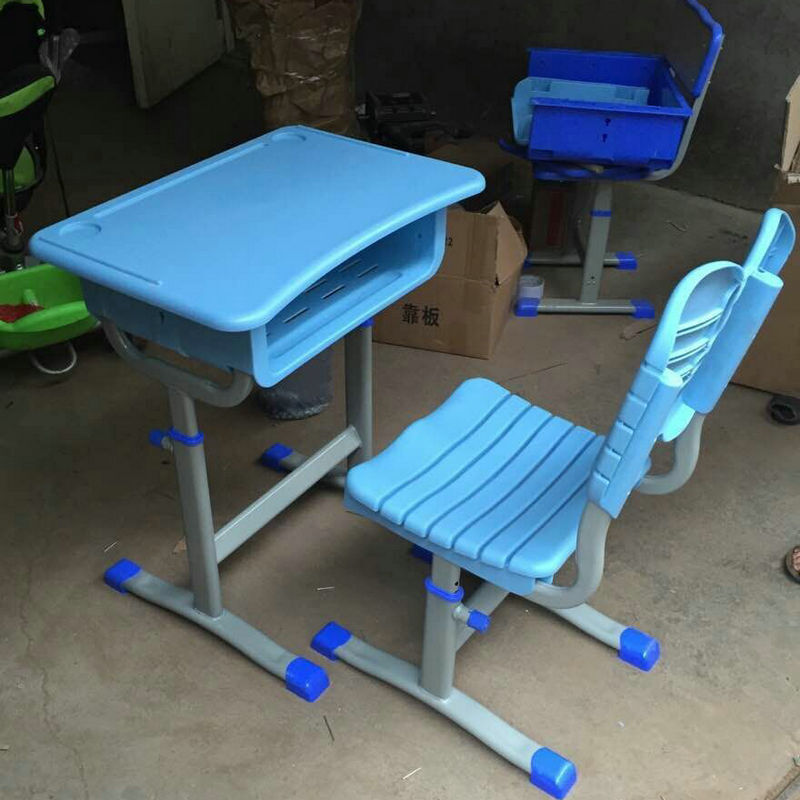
x,y
709,322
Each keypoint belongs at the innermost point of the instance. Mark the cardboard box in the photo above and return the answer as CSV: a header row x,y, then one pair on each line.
x,y
497,167
464,307
773,361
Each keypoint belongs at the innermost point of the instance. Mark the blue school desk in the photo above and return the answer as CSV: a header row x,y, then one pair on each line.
x,y
254,261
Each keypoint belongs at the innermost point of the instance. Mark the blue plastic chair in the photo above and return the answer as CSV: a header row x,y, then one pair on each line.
x,y
596,118
508,491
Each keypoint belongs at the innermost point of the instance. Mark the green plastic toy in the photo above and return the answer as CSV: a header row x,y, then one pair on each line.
x,y
31,57
63,315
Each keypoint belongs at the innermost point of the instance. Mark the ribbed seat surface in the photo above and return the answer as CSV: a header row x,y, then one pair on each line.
x,y
487,480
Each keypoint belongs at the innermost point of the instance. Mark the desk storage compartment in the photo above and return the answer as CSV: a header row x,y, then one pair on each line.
x,y
335,304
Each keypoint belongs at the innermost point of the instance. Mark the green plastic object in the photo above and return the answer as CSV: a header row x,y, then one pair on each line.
x,y
14,103
37,4
63,315
25,173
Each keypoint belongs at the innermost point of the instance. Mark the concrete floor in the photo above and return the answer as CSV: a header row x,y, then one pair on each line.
x,y
103,696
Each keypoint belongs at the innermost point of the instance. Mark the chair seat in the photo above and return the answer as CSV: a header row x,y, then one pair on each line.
x,y
487,481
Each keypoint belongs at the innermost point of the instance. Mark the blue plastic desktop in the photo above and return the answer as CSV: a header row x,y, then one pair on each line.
x,y
340,226
254,261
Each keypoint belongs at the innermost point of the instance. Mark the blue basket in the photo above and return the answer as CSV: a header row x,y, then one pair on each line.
x,y
603,129
529,89
616,108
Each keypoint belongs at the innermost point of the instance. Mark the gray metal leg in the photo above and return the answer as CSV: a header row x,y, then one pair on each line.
x,y
439,638
599,226
293,460
198,523
433,682
592,256
565,305
487,597
475,718
358,411
203,604
232,629
593,622
358,387
633,646
545,259
246,524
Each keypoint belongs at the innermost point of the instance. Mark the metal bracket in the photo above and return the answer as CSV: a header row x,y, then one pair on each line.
x,y
202,389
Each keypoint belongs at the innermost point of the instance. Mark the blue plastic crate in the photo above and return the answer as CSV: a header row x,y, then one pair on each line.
x,y
529,88
618,108
603,129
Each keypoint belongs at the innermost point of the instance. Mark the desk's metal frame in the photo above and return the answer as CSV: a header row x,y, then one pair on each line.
x,y
207,548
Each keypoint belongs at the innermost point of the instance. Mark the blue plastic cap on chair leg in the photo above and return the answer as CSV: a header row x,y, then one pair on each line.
x,y
327,639
156,437
273,456
639,649
527,307
643,309
552,773
626,261
479,621
306,679
116,575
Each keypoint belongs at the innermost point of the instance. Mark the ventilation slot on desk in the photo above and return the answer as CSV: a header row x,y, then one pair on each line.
x,y
349,294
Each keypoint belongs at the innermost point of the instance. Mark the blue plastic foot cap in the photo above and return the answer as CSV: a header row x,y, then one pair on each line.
x,y
421,553
643,309
156,437
626,261
330,637
120,572
479,621
639,649
552,773
527,307
306,679
273,456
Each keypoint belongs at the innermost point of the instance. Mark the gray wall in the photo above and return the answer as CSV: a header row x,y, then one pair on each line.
x,y
466,55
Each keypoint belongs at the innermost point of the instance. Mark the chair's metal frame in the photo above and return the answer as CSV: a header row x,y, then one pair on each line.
x,y
447,630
